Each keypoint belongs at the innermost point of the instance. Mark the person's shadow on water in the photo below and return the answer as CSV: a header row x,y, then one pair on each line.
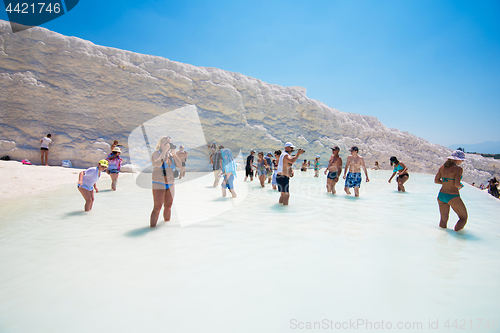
x,y
351,197
279,207
463,234
222,198
139,232
75,213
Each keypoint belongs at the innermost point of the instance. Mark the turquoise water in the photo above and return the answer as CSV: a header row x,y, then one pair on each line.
x,y
247,264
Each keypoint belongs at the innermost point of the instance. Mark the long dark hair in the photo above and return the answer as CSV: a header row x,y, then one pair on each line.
x,y
394,160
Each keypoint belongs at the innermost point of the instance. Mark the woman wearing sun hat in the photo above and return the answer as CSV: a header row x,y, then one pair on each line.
x,y
87,182
449,175
114,166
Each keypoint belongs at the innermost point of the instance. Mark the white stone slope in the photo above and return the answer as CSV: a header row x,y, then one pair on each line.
x,y
87,95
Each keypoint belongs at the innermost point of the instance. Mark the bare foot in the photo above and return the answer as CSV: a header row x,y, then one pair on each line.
x,y
460,226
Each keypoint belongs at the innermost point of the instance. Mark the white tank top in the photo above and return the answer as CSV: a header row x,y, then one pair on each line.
x,y
280,164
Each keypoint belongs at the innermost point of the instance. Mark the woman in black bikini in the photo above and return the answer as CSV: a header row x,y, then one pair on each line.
x,y
449,175
402,172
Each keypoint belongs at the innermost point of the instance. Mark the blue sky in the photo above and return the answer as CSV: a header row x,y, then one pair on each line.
x,y
431,68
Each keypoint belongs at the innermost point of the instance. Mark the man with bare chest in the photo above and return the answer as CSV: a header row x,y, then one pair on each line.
x,y
285,172
353,179
182,155
334,170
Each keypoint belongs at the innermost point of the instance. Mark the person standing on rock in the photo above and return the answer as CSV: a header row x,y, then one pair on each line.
x,y
353,178
449,176
285,172
44,149
334,170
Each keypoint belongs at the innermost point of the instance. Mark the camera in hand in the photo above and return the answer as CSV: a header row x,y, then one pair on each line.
x,y
172,146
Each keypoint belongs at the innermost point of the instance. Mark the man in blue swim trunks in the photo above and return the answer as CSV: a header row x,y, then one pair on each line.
x,y
334,170
353,179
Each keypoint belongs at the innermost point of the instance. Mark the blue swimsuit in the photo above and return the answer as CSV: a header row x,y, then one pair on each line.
x,y
446,197
399,168
164,166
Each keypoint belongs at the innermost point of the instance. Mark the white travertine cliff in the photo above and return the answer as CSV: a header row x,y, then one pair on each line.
x,y
87,95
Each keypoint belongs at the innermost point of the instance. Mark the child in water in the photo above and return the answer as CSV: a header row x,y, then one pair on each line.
x,y
87,183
